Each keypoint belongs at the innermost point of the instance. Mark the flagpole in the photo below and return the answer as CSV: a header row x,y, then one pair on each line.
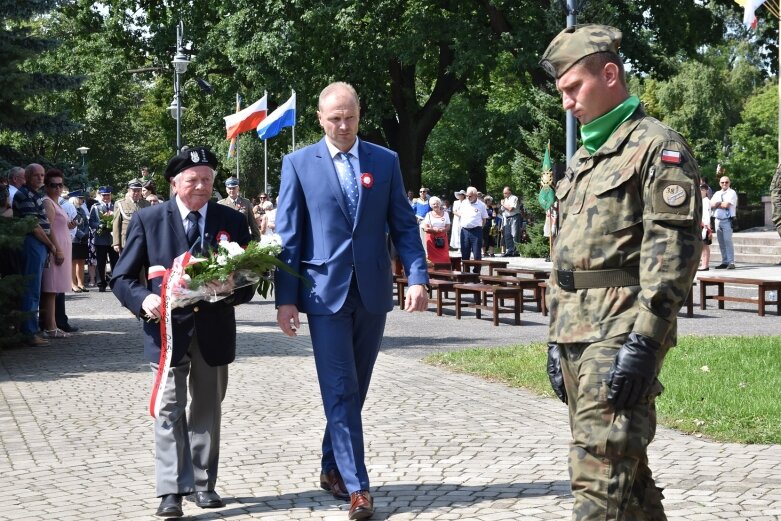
x,y
265,166
294,126
572,124
238,108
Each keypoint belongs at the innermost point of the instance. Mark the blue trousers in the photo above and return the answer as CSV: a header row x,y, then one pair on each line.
x,y
472,242
345,346
724,236
33,257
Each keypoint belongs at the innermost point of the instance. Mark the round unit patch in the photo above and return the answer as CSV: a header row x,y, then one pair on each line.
x,y
674,195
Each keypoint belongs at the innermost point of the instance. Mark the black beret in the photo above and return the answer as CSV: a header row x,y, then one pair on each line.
x,y
195,156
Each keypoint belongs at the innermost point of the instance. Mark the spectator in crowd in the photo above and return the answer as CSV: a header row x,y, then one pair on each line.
x,y
80,243
724,204
411,197
511,222
473,217
455,232
257,210
94,223
436,224
16,180
489,237
707,233
35,252
56,277
103,250
421,204
123,214
268,219
242,205
152,199
147,188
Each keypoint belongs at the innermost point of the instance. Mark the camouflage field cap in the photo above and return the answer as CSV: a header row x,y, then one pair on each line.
x,y
575,43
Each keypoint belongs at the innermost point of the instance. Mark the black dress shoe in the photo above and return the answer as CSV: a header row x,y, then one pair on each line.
x,y
207,499
170,506
722,266
68,328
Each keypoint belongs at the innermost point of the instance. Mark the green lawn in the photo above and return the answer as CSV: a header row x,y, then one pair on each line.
x,y
725,388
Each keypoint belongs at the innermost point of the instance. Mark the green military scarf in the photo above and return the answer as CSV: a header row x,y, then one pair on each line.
x,y
595,134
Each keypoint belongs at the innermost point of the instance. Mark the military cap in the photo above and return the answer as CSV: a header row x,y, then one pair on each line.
x,y
134,184
190,157
231,182
75,193
104,190
575,43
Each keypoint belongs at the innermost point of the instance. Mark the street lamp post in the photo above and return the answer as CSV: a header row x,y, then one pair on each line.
x,y
180,63
83,151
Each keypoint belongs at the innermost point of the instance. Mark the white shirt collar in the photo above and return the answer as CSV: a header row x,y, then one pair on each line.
x,y
333,151
184,212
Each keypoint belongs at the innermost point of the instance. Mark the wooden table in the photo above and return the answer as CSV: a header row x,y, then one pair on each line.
x,y
491,263
526,272
437,293
497,293
762,285
457,276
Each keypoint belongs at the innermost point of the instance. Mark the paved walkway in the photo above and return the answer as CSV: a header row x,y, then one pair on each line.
x,y
75,438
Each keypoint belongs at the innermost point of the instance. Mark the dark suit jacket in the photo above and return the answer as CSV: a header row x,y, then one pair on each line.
x,y
156,237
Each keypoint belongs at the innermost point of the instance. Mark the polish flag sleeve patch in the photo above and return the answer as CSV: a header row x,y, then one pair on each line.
x,y
671,157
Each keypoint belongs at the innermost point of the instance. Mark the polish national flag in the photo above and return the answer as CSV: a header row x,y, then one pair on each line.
x,y
246,119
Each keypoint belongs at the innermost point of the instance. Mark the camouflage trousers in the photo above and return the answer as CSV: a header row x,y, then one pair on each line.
x,y
608,459
775,198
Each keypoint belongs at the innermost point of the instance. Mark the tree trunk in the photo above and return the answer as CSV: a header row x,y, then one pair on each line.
x,y
409,130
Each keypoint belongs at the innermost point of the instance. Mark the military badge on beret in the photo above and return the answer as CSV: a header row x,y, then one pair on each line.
x,y
196,156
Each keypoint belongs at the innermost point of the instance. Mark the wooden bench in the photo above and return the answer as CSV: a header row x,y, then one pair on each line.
x,y
437,294
689,300
523,283
763,286
482,292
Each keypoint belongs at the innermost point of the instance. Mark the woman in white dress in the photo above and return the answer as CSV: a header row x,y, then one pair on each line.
x,y
455,229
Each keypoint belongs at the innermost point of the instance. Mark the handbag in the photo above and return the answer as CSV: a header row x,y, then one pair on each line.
x,y
439,241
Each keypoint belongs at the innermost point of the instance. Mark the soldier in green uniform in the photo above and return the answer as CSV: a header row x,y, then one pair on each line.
x,y
775,198
624,259
123,213
241,204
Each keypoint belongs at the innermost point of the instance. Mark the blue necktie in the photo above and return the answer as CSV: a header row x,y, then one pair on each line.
x,y
349,184
194,232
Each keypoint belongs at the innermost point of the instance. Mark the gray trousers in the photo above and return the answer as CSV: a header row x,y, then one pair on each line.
x,y
187,446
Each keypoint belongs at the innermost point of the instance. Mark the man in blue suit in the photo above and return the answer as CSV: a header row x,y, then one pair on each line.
x,y
338,199
187,446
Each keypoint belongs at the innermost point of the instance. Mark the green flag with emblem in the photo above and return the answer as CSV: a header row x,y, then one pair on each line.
x,y
547,195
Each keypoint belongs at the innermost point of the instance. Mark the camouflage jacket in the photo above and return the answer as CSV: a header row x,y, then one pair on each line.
x,y
634,203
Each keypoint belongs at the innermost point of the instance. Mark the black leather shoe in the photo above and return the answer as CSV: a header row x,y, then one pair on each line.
x,y
721,266
68,328
170,506
207,499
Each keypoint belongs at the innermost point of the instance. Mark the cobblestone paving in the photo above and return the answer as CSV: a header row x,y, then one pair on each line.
x,y
76,440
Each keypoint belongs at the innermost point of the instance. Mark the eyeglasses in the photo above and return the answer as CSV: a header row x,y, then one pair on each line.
x,y
55,185
723,182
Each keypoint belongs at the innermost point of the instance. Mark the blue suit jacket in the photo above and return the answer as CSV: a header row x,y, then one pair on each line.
x,y
156,237
320,242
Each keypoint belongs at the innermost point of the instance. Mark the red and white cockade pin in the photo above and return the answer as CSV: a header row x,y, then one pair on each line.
x,y
367,180
222,235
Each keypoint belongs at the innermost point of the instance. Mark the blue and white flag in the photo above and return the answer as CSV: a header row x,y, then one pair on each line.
x,y
283,116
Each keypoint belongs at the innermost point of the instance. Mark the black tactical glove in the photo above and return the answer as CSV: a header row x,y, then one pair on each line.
x,y
633,371
554,371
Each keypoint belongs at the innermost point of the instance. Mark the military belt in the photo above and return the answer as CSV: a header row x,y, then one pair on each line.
x,y
570,280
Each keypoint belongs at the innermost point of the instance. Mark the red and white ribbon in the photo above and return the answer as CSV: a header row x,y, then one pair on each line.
x,y
171,279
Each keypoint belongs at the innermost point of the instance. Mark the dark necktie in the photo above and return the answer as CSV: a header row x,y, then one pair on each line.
x,y
194,232
349,184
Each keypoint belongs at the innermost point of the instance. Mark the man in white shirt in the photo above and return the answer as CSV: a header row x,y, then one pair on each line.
x,y
724,204
511,220
15,181
473,215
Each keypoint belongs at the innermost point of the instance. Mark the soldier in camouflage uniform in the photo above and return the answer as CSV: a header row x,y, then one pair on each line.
x,y
624,259
123,213
775,198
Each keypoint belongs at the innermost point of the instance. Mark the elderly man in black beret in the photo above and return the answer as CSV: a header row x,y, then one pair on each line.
x,y
204,335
